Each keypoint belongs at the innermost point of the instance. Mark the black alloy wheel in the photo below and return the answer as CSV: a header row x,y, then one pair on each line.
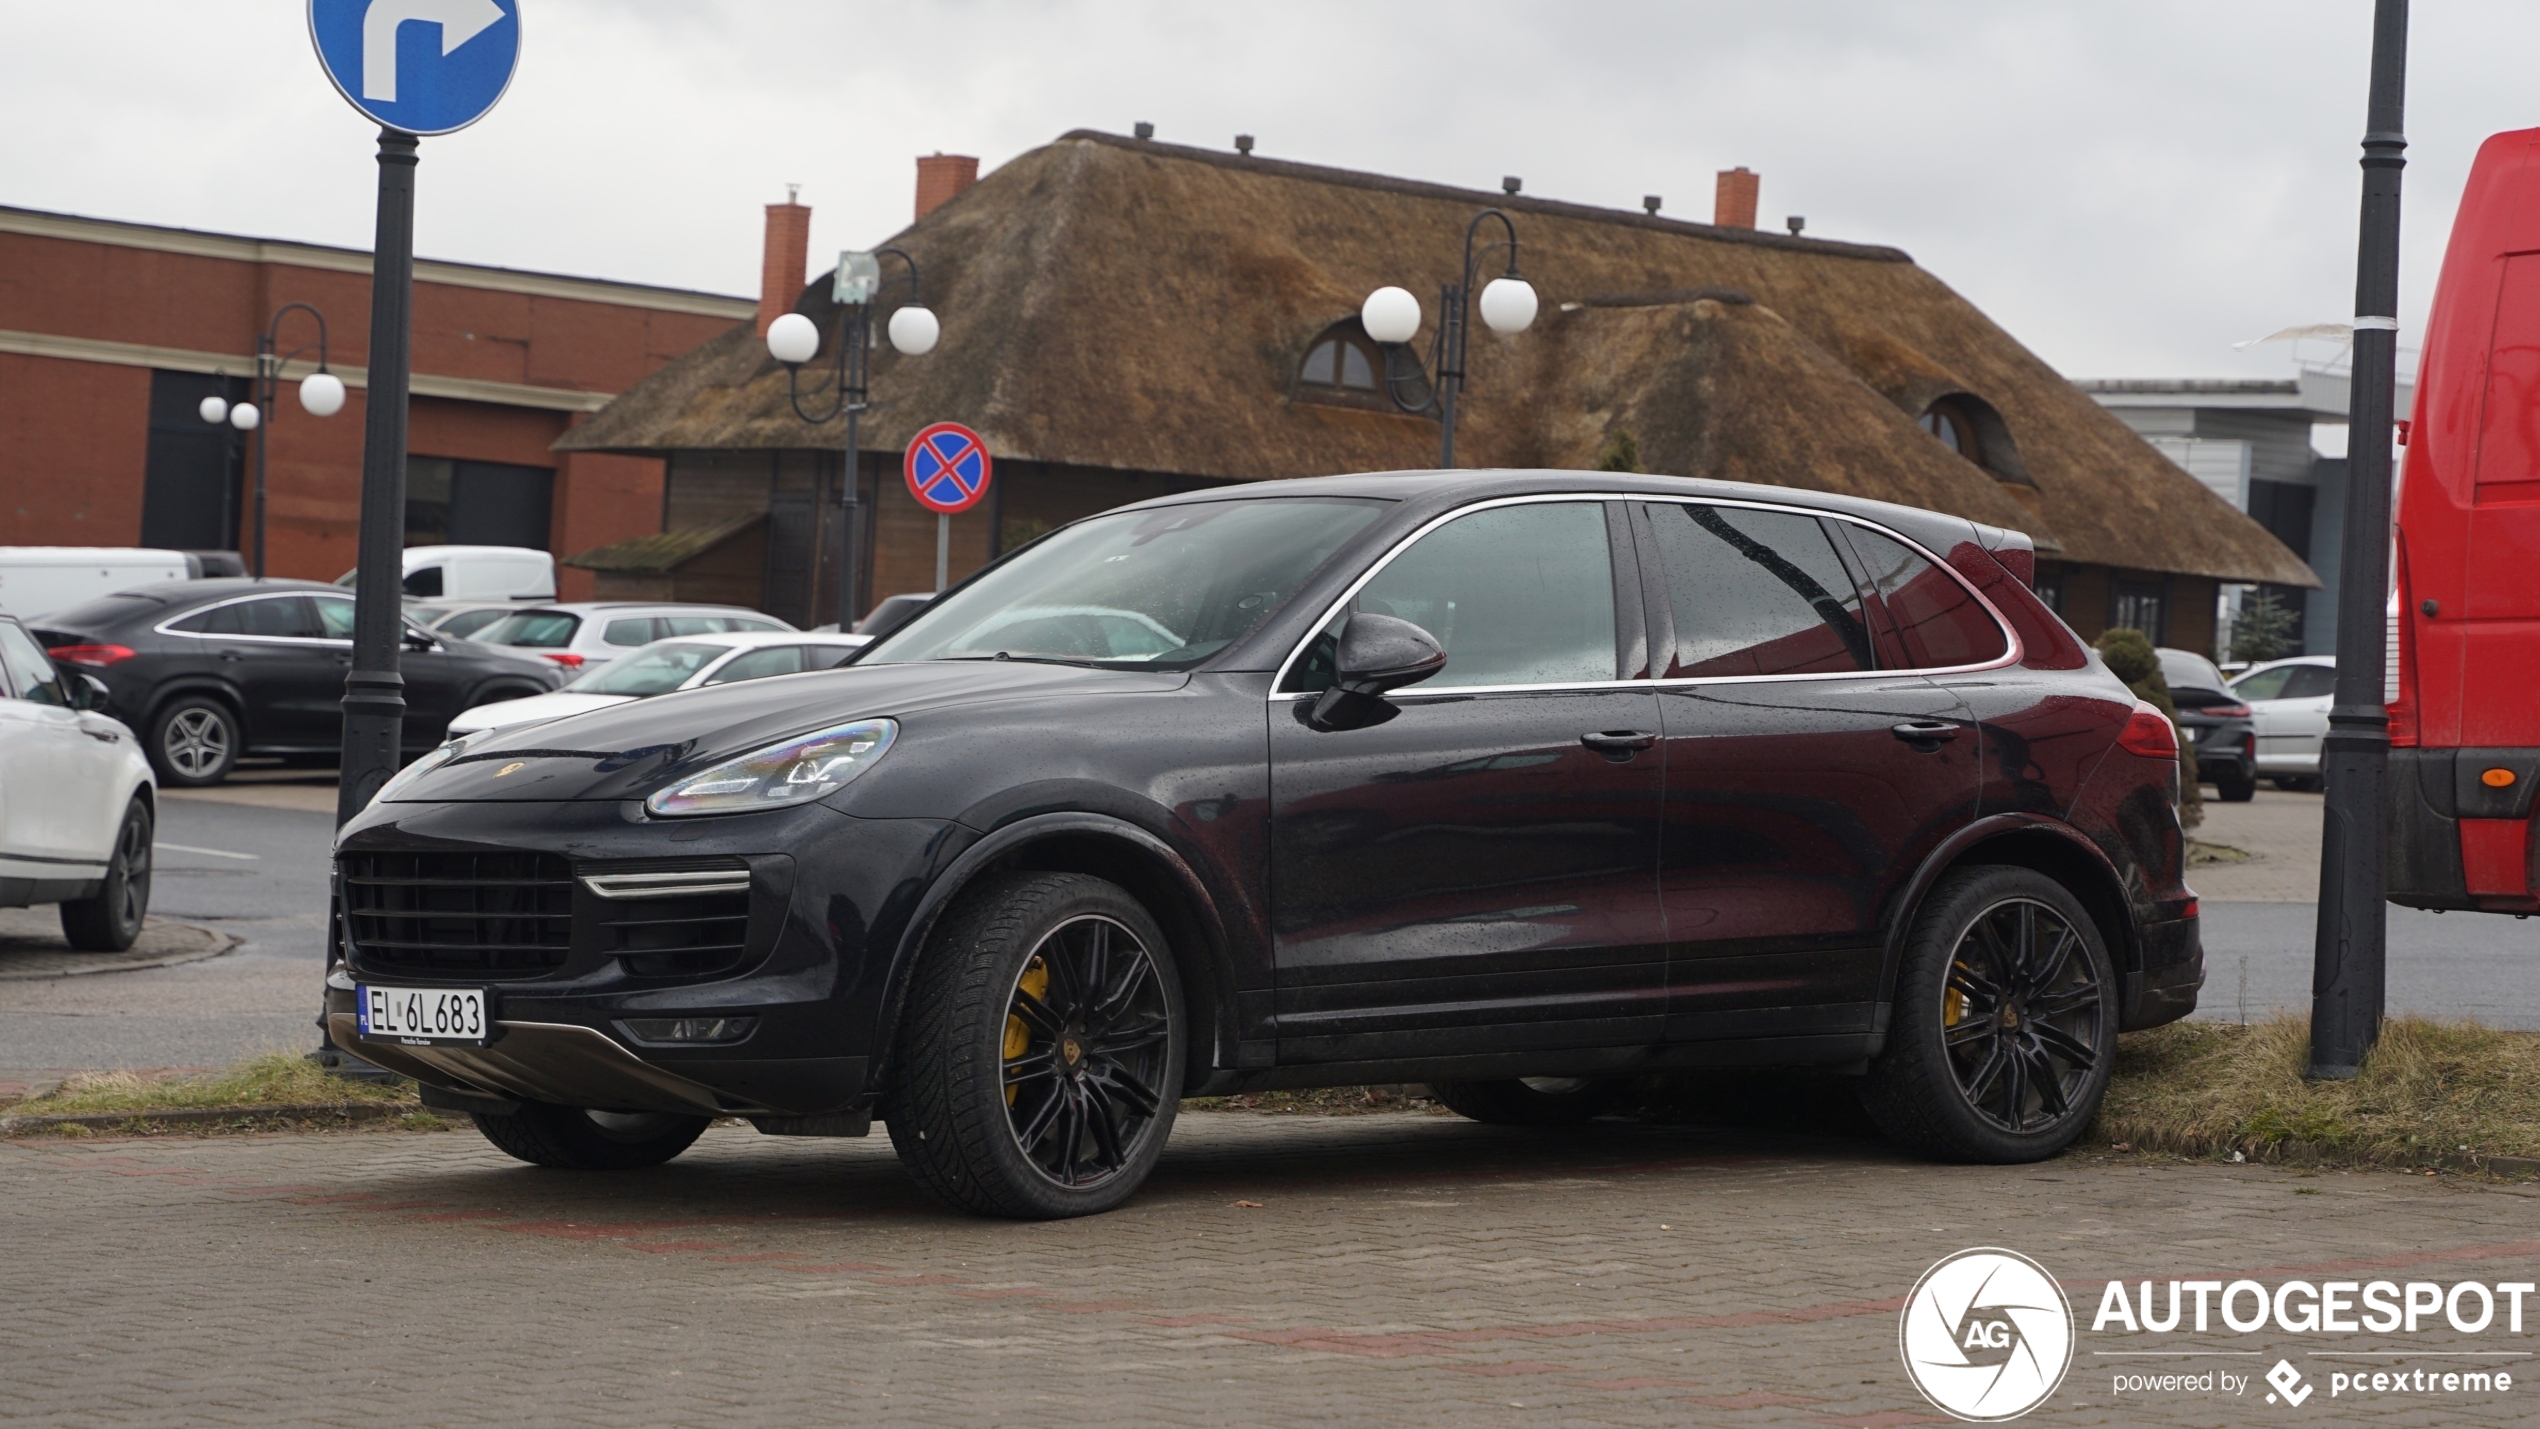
x,y
109,921
573,1138
194,741
2004,1029
1040,1056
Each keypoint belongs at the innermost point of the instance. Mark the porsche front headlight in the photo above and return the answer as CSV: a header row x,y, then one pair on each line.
x,y
804,768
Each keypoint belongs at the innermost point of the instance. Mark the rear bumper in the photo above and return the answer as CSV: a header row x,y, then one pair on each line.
x,y
2173,973
2458,842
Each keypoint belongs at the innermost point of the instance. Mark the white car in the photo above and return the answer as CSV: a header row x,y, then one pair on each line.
x,y
581,634
686,663
2288,703
76,800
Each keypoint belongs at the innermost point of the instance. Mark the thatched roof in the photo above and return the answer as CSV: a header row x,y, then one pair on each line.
x,y
1120,303
664,552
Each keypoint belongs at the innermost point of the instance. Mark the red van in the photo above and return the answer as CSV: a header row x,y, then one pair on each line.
x,y
2465,702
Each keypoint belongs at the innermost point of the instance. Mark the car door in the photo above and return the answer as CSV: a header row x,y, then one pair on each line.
x,y
435,684
61,799
2269,720
1474,874
2303,715
289,677
1806,773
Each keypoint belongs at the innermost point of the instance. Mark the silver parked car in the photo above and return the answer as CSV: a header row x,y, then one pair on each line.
x,y
581,634
687,662
2288,701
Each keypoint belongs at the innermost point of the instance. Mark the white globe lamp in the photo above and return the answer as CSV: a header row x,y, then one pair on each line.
x,y
214,410
914,330
321,394
1390,315
793,339
1508,304
244,416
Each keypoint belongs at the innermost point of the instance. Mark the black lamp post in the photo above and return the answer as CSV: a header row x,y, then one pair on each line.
x,y
2349,952
1392,316
794,340
321,395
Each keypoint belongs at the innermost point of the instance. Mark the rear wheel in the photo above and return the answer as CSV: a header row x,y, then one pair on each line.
x,y
579,1139
2298,783
1533,1101
2235,787
2005,1023
1039,1061
194,741
109,921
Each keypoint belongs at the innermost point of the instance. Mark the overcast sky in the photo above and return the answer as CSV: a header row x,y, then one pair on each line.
x,y
2129,188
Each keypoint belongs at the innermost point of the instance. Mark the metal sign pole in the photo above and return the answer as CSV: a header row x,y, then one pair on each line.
x,y
943,551
374,691
2348,978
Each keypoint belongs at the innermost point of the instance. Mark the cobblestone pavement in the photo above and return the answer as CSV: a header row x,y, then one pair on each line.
x,y
1398,1269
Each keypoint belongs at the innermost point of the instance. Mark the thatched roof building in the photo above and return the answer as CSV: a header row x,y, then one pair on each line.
x,y
1123,317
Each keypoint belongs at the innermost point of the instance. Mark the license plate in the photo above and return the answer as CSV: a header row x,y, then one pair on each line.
x,y
421,1016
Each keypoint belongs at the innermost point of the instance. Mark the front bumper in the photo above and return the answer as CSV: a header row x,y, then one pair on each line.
x,y
830,896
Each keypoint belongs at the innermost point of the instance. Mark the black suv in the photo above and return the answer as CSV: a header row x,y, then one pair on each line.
x,y
1516,783
2219,723
210,670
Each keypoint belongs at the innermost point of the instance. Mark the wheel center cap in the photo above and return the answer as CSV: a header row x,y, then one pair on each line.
x,y
1070,1049
2010,1017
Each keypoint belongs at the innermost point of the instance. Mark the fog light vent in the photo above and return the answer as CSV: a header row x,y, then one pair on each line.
x,y
690,1031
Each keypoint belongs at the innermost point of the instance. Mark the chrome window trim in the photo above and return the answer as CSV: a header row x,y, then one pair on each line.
x,y
2013,649
166,627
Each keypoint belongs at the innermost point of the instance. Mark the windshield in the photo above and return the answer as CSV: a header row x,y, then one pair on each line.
x,y
653,670
1157,589
535,629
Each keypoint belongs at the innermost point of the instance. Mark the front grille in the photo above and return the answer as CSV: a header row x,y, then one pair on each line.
x,y
459,912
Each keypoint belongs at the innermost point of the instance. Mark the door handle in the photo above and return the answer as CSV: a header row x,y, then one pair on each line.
x,y
232,655
1926,735
1619,745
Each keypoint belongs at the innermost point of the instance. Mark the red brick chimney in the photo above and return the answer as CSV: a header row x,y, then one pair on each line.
x,y
783,260
1734,205
940,176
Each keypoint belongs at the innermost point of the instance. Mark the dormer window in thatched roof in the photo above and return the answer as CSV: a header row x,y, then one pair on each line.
x,y
1345,366
1968,425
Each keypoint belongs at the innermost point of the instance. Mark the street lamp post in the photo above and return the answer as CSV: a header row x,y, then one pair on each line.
x,y
321,395
1392,316
794,340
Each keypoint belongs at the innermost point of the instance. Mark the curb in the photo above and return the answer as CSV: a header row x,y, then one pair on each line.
x,y
125,963
210,1116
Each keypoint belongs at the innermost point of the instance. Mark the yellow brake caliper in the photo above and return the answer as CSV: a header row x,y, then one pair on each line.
x,y
1018,1033
1953,1005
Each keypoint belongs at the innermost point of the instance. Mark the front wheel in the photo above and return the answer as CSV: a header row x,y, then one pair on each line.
x,y
2004,1029
1533,1101
578,1139
1039,1061
110,920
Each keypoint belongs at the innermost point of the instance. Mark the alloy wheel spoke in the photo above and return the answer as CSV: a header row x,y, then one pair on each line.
x,y
2081,1055
1038,1015
1979,1086
2059,1004
1037,1125
2015,1085
1100,1112
1125,1085
2050,1086
1146,1033
1969,1029
1031,1067
1115,1000
2059,955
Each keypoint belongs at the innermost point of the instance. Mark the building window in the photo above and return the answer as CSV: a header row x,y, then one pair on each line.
x,y
190,476
1345,366
477,503
1969,426
2140,605
1950,425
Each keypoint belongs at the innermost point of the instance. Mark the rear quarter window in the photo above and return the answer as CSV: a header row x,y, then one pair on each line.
x,y
534,629
1939,620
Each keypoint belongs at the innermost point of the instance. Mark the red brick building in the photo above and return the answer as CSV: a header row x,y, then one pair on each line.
x,y
111,334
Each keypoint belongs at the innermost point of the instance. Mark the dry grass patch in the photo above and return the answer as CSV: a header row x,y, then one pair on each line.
x,y
2431,1092
275,1079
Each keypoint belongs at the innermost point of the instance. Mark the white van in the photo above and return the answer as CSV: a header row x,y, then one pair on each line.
x,y
475,573
35,581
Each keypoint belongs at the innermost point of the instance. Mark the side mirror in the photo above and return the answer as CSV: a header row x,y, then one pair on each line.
x,y
88,693
417,640
1377,655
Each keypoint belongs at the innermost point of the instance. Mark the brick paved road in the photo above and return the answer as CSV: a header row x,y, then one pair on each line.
x,y
1401,1269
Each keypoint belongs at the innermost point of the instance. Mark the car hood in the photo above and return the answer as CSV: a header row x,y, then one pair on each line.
x,y
629,750
532,709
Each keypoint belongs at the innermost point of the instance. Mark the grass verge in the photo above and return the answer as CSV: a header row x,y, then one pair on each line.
x,y
277,1090
2431,1093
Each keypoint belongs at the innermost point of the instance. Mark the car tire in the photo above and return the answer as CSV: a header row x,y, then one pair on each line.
x,y
1017,1090
578,1139
110,920
2233,787
2004,976
2298,783
1533,1101
194,741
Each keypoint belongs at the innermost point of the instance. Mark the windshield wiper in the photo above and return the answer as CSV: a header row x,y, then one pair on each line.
x,y
1003,655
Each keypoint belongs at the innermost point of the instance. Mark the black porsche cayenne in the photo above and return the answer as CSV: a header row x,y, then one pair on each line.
x,y
1514,783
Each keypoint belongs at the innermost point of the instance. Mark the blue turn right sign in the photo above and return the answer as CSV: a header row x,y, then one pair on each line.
x,y
423,66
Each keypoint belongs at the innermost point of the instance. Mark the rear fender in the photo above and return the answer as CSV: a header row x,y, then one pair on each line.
x,y
2053,848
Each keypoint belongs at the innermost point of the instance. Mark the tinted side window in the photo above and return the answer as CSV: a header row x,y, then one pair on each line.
x,y
693,625
759,664
1757,593
336,614
29,671
2264,685
2311,682
635,632
281,615
219,620
1518,595
1941,621
424,584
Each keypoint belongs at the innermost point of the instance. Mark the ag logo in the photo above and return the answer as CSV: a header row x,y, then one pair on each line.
x,y
1986,1335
